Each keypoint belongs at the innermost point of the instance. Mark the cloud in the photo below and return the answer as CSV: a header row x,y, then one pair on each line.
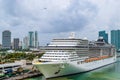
x,y
58,16
108,13
77,16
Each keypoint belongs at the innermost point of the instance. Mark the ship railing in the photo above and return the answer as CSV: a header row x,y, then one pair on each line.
x,y
39,61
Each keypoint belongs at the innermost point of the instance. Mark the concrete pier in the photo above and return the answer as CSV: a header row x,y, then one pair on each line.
x,y
24,76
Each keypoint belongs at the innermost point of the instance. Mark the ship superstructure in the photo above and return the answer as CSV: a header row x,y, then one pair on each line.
x,y
70,56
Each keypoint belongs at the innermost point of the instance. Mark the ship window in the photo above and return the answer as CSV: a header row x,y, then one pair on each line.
x,y
82,62
78,62
16,66
0,68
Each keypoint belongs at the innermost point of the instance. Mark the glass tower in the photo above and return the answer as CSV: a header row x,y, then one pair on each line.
x,y
31,39
6,39
104,35
115,38
36,39
25,43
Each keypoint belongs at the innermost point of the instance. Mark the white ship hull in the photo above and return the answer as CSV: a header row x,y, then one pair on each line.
x,y
55,69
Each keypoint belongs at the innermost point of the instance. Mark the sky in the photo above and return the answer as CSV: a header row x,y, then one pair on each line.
x,y
58,18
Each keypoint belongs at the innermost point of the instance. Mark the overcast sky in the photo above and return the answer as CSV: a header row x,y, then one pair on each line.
x,y
57,18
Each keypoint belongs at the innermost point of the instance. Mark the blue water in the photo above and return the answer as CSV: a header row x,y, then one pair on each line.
x,y
110,72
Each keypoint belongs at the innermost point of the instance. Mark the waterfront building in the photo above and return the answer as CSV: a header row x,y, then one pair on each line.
x,y
16,43
6,39
31,39
115,38
25,43
104,35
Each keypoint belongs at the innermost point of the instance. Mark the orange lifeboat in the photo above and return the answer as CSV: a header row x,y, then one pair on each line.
x,y
103,57
91,59
96,58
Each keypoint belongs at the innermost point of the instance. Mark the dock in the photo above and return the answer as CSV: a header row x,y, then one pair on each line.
x,y
24,76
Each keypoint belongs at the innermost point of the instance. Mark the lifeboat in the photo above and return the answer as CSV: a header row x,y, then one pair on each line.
x,y
96,58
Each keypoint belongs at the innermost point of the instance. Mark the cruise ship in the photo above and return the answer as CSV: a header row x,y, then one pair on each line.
x,y
70,56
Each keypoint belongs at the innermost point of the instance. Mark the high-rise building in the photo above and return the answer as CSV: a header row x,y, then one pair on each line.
x,y
6,39
31,39
104,35
36,40
0,46
20,44
115,38
16,43
25,43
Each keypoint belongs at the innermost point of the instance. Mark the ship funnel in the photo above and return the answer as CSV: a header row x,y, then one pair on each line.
x,y
100,37
85,38
72,35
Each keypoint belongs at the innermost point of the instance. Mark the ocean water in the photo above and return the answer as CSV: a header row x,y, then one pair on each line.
x,y
110,72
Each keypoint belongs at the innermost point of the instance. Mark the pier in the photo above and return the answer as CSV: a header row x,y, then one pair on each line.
x,y
24,71
24,76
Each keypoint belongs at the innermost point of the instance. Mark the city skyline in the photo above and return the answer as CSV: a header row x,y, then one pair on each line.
x,y
36,40
35,36
59,18
28,41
